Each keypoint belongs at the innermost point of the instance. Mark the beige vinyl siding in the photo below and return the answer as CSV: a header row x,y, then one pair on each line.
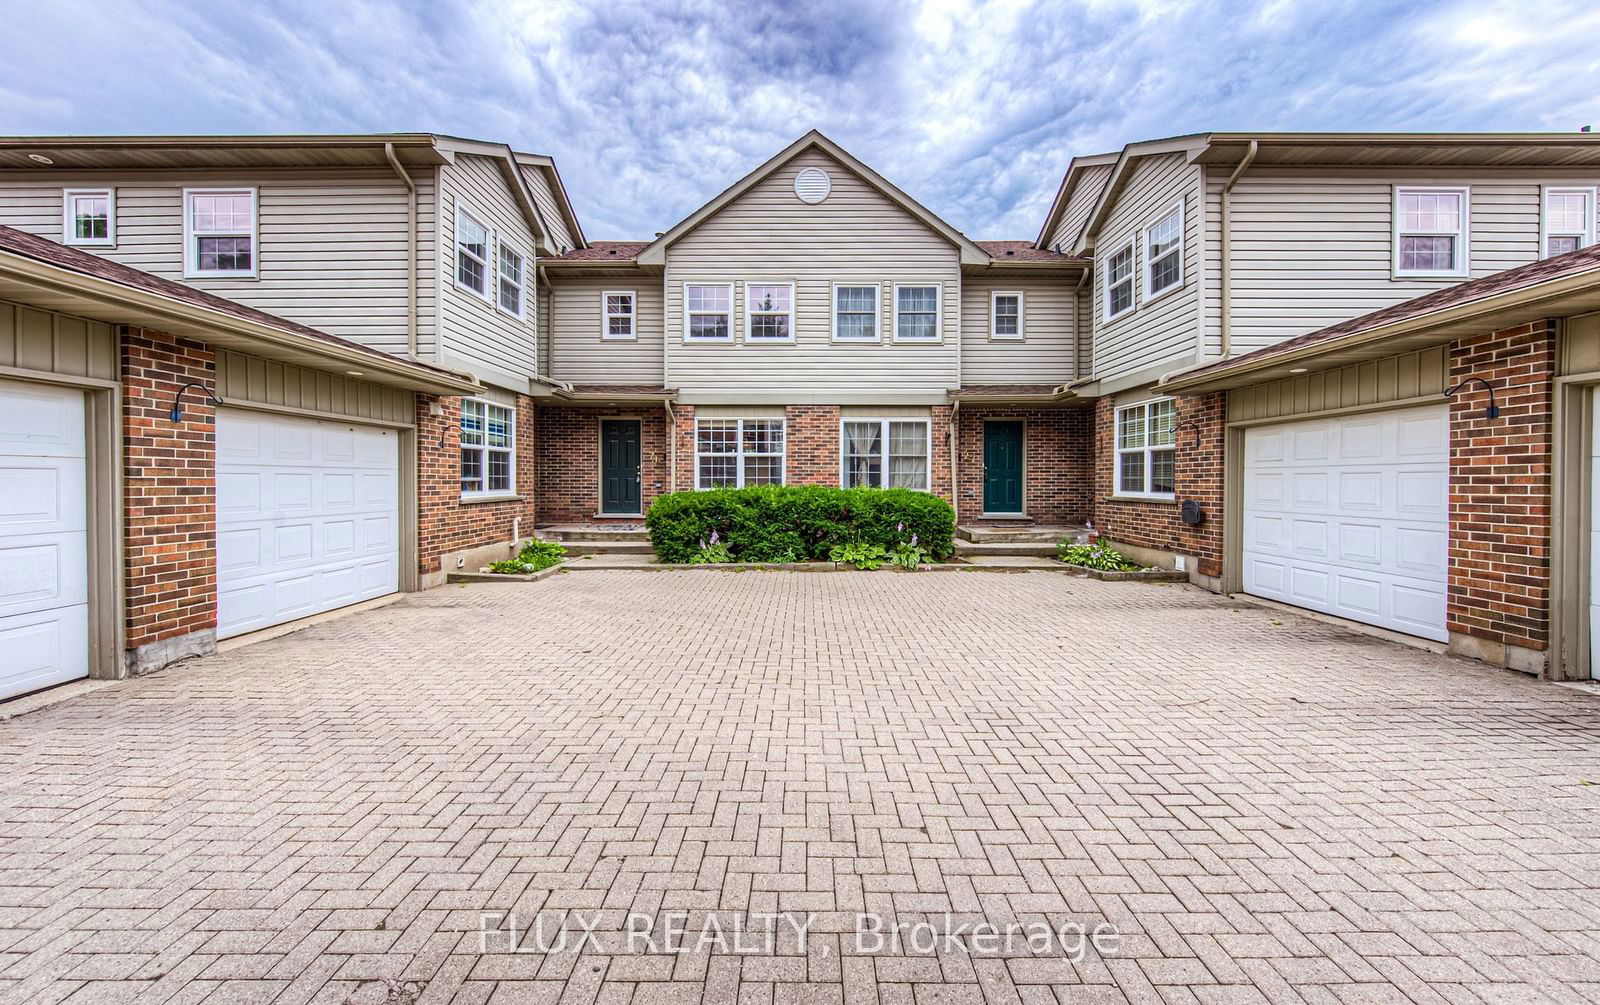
x,y
581,356
1045,353
549,208
242,378
47,342
332,249
856,236
1422,373
1164,329
1079,204
475,330
1313,248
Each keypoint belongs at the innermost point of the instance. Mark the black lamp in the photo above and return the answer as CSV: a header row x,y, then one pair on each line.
x,y
1493,411
176,415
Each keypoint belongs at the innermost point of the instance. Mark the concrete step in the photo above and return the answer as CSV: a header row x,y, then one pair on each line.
x,y
1038,549
979,534
593,532
576,548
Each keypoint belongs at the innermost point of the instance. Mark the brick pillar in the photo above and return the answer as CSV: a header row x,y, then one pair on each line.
x,y
940,452
683,437
1199,476
170,501
1499,578
813,445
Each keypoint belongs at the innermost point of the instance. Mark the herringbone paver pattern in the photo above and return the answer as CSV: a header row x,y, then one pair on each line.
x,y
1265,807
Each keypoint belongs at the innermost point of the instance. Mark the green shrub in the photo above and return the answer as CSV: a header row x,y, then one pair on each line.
x,y
798,523
856,553
535,555
1098,556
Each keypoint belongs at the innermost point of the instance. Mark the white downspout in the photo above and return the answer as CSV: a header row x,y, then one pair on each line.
x,y
411,249
1227,249
955,482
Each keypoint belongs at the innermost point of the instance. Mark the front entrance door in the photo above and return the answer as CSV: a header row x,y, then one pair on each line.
x,y
619,466
1002,467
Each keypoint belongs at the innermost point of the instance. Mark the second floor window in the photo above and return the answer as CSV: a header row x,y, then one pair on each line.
x,y
1006,309
855,313
1119,283
89,217
1163,254
707,312
1430,232
619,310
510,281
1568,219
769,310
472,253
1146,460
916,313
221,232
487,443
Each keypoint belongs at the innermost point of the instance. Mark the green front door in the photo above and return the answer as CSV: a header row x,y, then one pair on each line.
x,y
619,466
1002,467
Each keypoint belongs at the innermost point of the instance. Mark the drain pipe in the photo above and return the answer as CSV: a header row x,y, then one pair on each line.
x,y
672,447
1077,299
411,249
1227,248
955,484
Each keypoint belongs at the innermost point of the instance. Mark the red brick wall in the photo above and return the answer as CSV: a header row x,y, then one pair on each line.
x,y
170,502
939,454
1157,525
1500,487
569,460
1056,469
812,445
445,524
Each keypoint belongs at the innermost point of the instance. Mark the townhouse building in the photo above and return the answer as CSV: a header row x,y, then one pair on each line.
x,y
250,379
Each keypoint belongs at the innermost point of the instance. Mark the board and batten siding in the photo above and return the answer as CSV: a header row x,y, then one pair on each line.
x,y
474,329
1410,375
1166,328
1084,195
1314,248
580,356
856,236
332,249
544,197
48,342
242,378
1046,352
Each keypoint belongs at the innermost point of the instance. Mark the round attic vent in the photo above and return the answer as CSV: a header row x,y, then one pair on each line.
x,y
812,185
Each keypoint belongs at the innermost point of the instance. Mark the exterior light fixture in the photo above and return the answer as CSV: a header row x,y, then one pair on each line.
x,y
355,373
176,415
443,432
1297,369
40,159
1493,411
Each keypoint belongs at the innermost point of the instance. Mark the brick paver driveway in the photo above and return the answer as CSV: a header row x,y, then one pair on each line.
x,y
1261,805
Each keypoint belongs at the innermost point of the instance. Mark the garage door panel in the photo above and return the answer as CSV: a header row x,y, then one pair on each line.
x,y
1367,527
43,648
41,572
322,528
40,420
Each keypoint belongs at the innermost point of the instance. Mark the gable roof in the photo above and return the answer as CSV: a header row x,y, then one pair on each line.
x,y
656,252
1076,168
547,164
1122,170
73,272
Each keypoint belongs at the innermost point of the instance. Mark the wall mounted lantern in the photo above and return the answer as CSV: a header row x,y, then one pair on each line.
x,y
1493,411
176,415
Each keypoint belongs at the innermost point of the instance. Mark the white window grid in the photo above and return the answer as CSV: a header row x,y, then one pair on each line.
x,y
1005,315
917,312
707,312
510,295
856,308
769,311
474,243
1119,282
89,217
734,453
1567,219
885,453
1431,231
619,314
1147,449
220,233
488,448
1163,254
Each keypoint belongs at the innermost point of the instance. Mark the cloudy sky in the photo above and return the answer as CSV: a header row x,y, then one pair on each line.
x,y
651,108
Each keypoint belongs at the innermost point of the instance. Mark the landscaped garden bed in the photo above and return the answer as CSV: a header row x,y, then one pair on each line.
x,y
1101,561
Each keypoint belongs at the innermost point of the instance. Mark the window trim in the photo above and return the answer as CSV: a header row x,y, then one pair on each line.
x,y
701,339
69,219
938,313
1152,295
191,260
510,449
1463,267
883,438
1118,492
1591,192
606,315
994,308
877,313
462,209
1131,246
750,313
739,455
522,282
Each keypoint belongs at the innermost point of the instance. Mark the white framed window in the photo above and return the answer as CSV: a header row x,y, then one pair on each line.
x,y
1119,282
1567,222
219,232
1146,456
855,312
510,293
473,241
733,453
1005,314
707,312
488,448
1163,254
1430,231
884,453
89,217
916,312
618,314
769,312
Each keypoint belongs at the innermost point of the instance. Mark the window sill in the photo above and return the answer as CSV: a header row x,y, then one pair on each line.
x,y
1125,497
495,498
1442,277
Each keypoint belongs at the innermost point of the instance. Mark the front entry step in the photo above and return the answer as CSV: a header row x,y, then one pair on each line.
x,y
600,539
979,534
988,549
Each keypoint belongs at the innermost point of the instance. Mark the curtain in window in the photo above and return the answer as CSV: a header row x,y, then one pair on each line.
x,y
908,455
863,454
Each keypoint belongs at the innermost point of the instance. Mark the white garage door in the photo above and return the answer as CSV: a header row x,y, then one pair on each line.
x,y
308,517
1349,516
44,554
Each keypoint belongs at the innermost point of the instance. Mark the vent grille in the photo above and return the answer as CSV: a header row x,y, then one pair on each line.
x,y
812,185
